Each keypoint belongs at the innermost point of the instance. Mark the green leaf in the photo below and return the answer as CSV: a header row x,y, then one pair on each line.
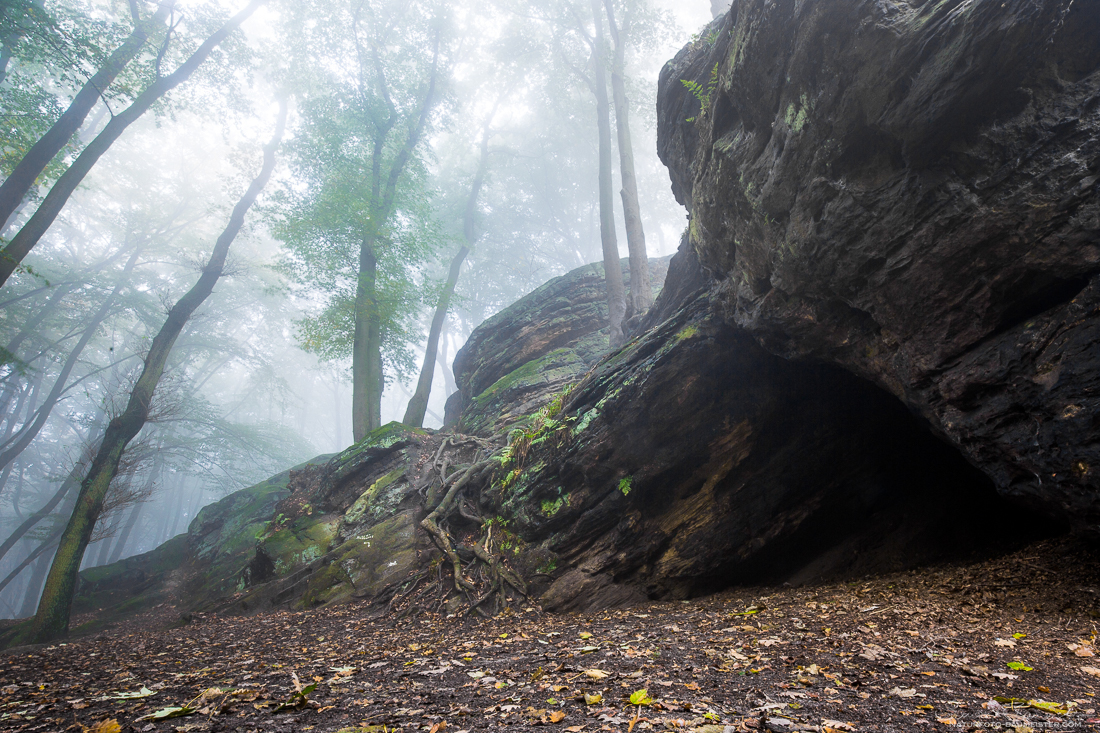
x,y
640,697
298,698
1019,666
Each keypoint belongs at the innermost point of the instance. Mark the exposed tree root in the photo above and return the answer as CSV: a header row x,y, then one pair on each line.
x,y
476,572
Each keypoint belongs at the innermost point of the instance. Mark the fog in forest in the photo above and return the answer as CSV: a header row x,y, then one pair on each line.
x,y
428,128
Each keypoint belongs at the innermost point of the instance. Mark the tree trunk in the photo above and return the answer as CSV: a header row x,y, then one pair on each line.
x,y
22,179
448,374
366,361
641,296
71,482
52,618
22,243
34,586
613,274
124,537
418,405
47,544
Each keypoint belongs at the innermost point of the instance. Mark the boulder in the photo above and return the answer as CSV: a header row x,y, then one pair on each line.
x,y
910,191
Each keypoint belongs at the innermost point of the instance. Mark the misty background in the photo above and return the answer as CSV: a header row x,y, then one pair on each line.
x,y
260,379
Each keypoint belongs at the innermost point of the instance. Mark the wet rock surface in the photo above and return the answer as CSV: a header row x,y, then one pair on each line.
x,y
910,191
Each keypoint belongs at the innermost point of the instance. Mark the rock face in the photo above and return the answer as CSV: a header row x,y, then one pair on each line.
x,y
533,348
911,191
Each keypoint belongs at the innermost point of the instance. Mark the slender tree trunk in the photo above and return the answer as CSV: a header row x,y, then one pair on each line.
x,y
613,274
366,362
52,618
34,586
19,183
448,375
29,432
336,406
47,544
641,296
418,405
71,482
27,237
135,513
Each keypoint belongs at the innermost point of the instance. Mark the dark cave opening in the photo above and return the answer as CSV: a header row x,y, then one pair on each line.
x,y
864,486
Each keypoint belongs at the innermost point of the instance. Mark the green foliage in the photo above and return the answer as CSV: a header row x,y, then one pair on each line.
x,y
702,93
543,427
626,484
361,196
550,508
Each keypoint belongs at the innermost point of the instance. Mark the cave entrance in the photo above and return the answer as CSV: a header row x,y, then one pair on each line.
x,y
869,489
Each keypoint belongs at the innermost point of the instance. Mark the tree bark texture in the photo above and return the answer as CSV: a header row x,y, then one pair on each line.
x,y
27,171
27,237
613,274
52,618
641,296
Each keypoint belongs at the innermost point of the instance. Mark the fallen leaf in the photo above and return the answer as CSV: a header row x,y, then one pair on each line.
x,y
836,725
439,727
556,716
1004,642
640,697
946,721
168,712
595,674
1092,671
593,699
1019,666
104,726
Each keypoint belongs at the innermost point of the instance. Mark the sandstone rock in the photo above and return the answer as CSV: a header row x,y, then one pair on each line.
x,y
911,191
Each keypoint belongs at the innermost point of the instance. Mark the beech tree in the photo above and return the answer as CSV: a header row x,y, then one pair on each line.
x,y
31,232
363,223
18,184
52,617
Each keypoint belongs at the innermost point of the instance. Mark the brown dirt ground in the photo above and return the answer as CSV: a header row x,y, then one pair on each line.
x,y
922,650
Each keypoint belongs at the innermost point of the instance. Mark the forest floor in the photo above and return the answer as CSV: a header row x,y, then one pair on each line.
x,y
1008,643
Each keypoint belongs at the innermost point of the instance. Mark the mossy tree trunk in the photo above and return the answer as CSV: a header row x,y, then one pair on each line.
x,y
52,619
